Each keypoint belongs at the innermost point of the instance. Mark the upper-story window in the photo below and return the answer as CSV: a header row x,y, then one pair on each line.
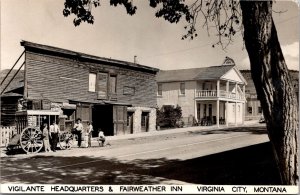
x,y
182,88
159,89
113,84
103,83
259,110
92,82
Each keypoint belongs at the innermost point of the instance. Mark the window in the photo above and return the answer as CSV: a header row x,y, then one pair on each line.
x,y
102,80
182,88
259,110
159,89
113,84
92,82
250,110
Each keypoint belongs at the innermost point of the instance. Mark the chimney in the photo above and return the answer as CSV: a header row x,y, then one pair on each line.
x,y
135,59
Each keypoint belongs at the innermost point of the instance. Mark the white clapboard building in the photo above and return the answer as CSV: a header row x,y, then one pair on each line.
x,y
210,96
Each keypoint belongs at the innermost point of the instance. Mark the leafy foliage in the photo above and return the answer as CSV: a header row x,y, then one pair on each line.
x,y
171,10
126,3
223,15
82,10
168,116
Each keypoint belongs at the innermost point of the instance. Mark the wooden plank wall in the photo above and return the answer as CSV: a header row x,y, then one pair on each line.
x,y
61,78
8,111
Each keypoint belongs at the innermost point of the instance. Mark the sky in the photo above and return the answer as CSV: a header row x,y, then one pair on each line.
x,y
117,35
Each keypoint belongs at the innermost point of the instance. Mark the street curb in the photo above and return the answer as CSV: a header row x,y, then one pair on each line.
x,y
177,130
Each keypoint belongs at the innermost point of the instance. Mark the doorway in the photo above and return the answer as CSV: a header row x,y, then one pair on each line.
x,y
145,121
102,116
120,119
129,122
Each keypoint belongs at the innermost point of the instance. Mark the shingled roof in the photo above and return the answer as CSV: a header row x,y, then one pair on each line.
x,y
205,73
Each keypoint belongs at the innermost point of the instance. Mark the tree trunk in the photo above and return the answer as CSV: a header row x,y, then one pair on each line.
x,y
273,85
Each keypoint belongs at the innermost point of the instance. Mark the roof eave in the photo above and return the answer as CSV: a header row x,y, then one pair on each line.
x,y
79,55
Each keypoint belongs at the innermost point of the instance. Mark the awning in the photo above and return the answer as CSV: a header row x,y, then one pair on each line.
x,y
117,103
11,95
100,102
69,106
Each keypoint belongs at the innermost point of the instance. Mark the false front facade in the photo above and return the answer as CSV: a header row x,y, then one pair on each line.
x,y
210,95
118,97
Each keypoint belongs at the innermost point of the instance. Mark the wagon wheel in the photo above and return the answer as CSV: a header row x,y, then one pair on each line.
x,y
66,140
31,139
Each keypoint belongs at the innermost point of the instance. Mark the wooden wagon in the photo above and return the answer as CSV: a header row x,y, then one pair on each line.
x,y
29,131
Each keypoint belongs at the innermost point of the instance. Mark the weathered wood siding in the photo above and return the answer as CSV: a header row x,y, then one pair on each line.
x,y
61,79
8,110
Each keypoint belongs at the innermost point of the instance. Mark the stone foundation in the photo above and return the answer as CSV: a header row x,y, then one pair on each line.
x,y
137,118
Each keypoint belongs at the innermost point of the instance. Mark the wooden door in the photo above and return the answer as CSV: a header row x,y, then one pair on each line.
x,y
120,119
84,111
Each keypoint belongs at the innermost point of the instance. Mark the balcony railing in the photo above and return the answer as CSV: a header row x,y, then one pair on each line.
x,y
206,93
222,93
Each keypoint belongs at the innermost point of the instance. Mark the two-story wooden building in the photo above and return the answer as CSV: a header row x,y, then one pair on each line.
x,y
253,107
118,97
214,95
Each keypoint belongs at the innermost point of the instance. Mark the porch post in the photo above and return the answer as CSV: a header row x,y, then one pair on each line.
x,y
243,113
226,113
227,89
195,111
235,110
218,88
236,95
244,95
244,104
218,110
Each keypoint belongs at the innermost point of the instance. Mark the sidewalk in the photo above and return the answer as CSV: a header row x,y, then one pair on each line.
x,y
160,132
179,130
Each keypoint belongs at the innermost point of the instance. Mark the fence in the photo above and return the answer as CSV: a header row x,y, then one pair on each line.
x,y
6,134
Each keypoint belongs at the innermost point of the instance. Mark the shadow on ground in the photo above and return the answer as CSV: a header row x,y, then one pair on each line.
x,y
253,165
138,140
253,130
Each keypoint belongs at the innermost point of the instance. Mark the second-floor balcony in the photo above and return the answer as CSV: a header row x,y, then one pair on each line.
x,y
222,94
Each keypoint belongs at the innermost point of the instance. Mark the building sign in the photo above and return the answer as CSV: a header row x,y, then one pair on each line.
x,y
102,86
128,90
32,121
46,105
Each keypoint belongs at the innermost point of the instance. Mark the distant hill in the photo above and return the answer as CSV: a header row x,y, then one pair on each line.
x,y
17,82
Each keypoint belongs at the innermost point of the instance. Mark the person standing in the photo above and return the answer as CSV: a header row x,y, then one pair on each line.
x,y
79,129
89,132
54,131
46,138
